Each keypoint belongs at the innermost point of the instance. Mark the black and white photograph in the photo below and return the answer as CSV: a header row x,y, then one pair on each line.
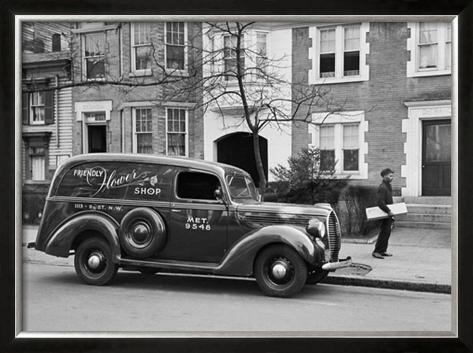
x,y
182,176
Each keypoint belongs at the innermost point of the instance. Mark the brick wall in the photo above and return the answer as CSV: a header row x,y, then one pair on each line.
x,y
382,97
118,63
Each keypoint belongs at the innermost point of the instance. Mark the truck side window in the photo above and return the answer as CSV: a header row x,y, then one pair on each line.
x,y
194,185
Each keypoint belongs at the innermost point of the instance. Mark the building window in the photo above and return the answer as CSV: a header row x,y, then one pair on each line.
x,y
56,42
434,46
327,53
175,45
37,163
37,107
176,132
350,147
351,51
327,148
94,55
261,50
430,45
339,147
339,53
230,58
340,42
143,130
142,49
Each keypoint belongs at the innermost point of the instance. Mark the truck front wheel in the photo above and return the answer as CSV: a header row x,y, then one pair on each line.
x,y
280,271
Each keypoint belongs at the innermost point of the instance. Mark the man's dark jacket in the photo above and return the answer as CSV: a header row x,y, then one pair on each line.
x,y
385,196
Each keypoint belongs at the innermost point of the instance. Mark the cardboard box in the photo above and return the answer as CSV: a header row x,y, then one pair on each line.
x,y
374,213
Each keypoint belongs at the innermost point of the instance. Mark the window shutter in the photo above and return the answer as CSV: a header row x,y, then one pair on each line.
x,y
25,109
48,107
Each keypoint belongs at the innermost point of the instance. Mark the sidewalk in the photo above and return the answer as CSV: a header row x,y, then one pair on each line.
x,y
422,260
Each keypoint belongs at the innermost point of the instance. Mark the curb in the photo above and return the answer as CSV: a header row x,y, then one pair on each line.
x,y
388,284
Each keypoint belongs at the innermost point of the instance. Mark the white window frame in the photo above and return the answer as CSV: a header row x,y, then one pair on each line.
x,y
215,43
183,71
243,45
338,120
42,158
413,69
141,72
84,58
32,106
186,130
135,133
314,55
257,54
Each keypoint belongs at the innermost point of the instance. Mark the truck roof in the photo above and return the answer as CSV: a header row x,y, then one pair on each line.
x,y
219,168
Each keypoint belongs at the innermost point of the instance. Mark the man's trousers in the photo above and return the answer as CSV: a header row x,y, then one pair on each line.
x,y
383,236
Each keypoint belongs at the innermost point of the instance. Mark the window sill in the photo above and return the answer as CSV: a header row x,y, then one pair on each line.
x,y
429,73
332,80
91,80
143,73
42,182
355,175
175,72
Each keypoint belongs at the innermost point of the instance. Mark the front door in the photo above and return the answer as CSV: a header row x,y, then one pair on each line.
x,y
436,158
97,138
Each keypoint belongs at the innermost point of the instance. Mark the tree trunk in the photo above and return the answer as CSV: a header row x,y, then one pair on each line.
x,y
259,164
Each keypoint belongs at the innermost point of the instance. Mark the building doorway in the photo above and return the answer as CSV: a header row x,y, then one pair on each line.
x,y
237,149
97,138
436,158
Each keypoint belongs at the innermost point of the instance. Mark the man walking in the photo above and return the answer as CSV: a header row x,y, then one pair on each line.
x,y
385,197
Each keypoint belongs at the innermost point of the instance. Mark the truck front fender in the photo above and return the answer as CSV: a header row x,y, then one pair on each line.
x,y
240,258
60,243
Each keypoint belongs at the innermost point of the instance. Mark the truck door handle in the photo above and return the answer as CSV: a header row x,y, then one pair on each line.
x,y
175,210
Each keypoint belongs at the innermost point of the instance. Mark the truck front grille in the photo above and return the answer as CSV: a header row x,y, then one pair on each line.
x,y
334,236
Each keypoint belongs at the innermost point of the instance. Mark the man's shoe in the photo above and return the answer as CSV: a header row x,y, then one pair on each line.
x,y
377,255
386,254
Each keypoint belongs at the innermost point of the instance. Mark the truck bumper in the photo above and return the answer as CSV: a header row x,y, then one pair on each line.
x,y
332,266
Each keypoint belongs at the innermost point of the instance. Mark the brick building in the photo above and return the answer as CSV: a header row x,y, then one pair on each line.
x,y
393,84
390,81
139,115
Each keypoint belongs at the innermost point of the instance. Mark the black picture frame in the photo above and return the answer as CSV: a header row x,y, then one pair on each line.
x,y
462,343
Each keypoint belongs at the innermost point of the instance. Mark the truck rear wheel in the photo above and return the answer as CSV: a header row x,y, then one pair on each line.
x,y
280,271
93,262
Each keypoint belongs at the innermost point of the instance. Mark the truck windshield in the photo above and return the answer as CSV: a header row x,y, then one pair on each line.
x,y
241,187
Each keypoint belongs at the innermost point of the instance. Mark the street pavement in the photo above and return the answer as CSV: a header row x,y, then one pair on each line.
x,y
422,260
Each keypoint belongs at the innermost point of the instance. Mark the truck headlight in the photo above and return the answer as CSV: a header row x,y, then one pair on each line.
x,y
316,228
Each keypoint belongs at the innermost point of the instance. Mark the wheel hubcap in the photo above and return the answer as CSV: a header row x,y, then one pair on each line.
x,y
279,270
140,235
95,260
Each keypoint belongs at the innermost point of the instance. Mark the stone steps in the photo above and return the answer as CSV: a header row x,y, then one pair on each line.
x,y
421,224
425,212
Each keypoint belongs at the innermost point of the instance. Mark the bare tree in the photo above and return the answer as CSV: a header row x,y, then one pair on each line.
x,y
230,73
243,75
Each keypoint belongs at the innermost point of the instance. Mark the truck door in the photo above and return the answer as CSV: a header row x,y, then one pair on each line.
x,y
197,227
